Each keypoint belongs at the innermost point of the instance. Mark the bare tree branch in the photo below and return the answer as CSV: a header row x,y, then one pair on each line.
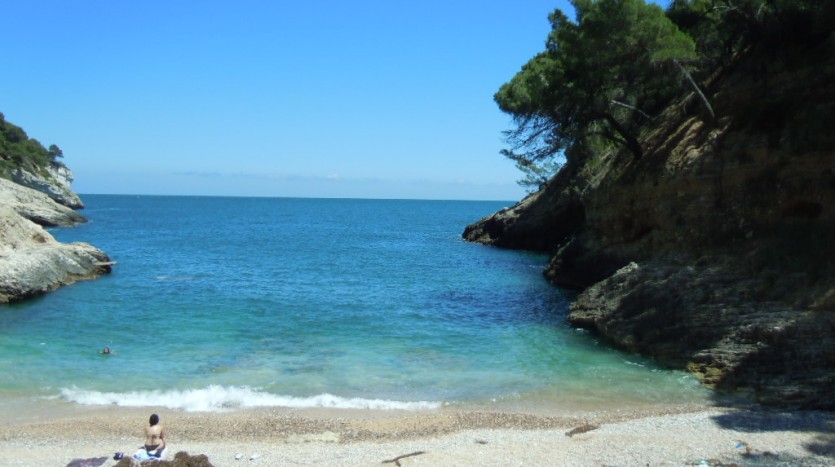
x,y
698,90
631,107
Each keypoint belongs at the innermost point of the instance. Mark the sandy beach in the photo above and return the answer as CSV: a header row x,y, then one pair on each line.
x,y
686,435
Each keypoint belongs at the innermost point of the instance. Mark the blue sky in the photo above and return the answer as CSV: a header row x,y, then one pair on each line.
x,y
366,98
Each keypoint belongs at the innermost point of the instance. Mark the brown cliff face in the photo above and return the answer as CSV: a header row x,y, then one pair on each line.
x,y
722,234
538,223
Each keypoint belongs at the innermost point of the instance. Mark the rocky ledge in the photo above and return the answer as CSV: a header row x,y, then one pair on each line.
x,y
37,206
714,251
32,262
56,184
724,326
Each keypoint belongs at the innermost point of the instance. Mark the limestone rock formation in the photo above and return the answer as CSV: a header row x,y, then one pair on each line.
x,y
32,262
56,183
37,206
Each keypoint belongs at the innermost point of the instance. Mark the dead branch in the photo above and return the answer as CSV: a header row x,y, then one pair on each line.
x,y
396,460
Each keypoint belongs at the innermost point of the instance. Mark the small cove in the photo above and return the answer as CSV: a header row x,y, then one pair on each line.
x,y
224,303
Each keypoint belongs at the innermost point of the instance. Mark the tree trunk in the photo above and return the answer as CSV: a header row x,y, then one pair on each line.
x,y
698,90
629,139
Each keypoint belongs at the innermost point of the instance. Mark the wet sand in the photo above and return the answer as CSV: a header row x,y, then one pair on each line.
x,y
57,433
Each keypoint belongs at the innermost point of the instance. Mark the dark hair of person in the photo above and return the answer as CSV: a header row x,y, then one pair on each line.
x,y
154,419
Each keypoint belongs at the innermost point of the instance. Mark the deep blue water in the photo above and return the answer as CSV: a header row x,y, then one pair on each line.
x,y
233,302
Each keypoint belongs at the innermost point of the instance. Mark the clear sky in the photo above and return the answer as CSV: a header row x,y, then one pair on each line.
x,y
362,98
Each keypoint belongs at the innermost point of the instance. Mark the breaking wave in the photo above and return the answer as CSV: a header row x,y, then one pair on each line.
x,y
218,399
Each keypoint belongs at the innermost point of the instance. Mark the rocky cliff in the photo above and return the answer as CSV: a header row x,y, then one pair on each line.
x,y
55,183
32,262
37,206
714,251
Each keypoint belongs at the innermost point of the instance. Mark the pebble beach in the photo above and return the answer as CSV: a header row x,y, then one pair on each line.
x,y
669,436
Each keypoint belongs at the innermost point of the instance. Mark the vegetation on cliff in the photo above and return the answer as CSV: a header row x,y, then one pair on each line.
x,y
607,77
706,242
19,151
32,262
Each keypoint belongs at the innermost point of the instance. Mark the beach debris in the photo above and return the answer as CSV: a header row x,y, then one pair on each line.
x,y
239,456
713,463
754,454
581,429
480,441
396,460
90,462
254,456
743,444
324,437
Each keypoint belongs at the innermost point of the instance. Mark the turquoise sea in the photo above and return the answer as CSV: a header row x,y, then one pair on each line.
x,y
225,303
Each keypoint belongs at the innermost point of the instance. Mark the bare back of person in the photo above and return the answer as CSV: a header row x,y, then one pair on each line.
x,y
154,436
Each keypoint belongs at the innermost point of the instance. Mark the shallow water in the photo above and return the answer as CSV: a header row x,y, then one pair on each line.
x,y
237,302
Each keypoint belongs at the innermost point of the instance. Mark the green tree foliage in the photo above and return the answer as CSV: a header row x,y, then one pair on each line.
x,y
723,28
602,78
774,37
775,22
18,150
55,152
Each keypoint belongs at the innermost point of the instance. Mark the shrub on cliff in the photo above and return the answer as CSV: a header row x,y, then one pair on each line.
x,y
19,151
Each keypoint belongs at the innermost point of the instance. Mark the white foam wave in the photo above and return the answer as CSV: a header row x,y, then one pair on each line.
x,y
219,398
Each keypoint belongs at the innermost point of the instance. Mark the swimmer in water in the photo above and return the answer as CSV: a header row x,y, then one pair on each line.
x,y
106,351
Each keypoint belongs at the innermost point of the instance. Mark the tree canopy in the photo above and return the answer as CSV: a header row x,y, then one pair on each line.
x,y
18,150
605,76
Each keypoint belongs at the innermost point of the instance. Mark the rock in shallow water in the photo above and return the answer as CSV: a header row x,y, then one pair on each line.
x,y
32,262
702,318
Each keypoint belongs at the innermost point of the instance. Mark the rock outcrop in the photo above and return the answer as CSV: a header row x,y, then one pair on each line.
x,y
538,222
719,324
32,262
56,183
714,251
37,206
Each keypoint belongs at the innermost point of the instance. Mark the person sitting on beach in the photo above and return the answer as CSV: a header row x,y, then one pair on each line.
x,y
154,437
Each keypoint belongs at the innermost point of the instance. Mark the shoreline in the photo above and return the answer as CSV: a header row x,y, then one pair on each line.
x,y
664,435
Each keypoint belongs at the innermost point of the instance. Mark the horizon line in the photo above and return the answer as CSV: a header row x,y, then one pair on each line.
x,y
82,195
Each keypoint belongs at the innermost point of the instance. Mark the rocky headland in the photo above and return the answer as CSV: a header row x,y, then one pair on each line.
x,y
32,262
715,250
